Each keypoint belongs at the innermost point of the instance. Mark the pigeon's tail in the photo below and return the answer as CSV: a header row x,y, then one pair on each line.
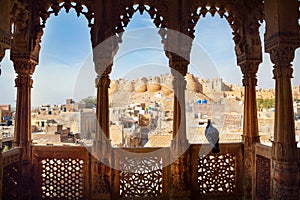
x,y
216,148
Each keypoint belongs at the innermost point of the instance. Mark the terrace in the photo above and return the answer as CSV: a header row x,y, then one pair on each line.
x,y
68,172
247,170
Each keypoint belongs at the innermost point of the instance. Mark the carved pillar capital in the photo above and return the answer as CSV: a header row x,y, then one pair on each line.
x,y
24,67
178,64
283,72
282,48
103,81
24,81
179,82
249,70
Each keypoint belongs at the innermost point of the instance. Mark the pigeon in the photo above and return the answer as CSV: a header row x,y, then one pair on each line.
x,y
212,136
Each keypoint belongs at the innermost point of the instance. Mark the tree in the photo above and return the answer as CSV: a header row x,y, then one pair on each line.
x,y
265,103
90,101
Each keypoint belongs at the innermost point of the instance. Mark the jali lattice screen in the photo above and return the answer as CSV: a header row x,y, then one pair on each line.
x,y
216,173
62,179
140,176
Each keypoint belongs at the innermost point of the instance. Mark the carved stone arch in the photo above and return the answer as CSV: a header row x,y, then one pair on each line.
x,y
243,19
202,8
156,9
45,8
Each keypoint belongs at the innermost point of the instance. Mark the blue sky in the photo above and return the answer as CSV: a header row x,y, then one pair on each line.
x,y
66,69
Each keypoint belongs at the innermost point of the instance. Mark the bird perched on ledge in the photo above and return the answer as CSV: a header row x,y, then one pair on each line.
x,y
212,136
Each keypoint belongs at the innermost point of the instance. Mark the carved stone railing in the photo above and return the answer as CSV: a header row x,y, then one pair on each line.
x,y
12,161
299,168
217,175
263,171
140,173
65,172
61,172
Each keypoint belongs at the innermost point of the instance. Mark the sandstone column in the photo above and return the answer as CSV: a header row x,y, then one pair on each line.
x,y
250,125
284,149
179,69
22,135
179,167
101,160
282,38
102,112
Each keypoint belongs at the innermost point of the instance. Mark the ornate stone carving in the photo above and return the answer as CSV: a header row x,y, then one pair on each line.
x,y
55,7
248,172
12,168
282,152
180,176
280,72
201,8
216,174
44,9
281,194
24,81
22,32
282,47
245,29
249,70
2,54
102,176
20,15
156,10
263,175
140,177
62,178
178,63
24,67
11,180
4,41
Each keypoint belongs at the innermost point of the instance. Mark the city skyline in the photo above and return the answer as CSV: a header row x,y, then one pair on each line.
x,y
59,70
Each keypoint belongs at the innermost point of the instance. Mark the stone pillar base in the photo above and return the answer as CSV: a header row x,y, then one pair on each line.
x,y
286,180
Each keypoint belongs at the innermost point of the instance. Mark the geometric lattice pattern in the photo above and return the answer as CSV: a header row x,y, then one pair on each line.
x,y
11,181
263,177
62,179
140,177
216,174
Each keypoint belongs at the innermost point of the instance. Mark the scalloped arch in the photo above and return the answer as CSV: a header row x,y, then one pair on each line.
x,y
128,9
54,7
199,10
